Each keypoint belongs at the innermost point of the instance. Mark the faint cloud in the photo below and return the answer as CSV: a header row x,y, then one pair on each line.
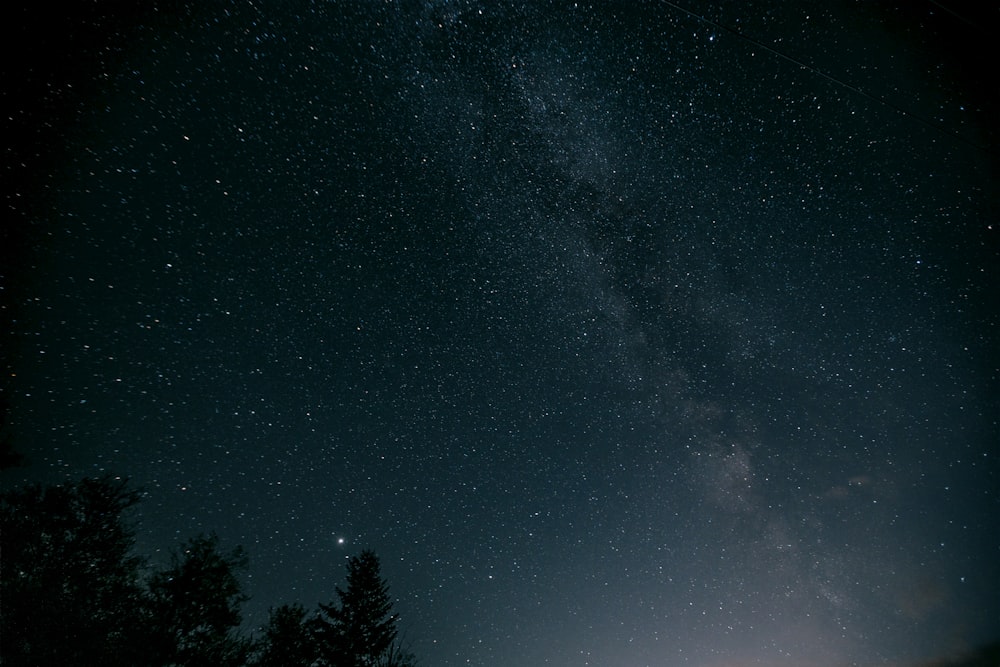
x,y
926,595
858,485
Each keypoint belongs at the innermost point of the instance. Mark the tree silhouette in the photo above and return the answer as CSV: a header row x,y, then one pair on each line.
x,y
73,593
195,606
69,583
360,631
287,641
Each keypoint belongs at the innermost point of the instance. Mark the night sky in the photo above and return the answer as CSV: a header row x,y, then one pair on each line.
x,y
625,333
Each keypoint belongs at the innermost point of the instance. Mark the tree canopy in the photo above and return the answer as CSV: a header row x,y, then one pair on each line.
x,y
75,593
70,582
196,605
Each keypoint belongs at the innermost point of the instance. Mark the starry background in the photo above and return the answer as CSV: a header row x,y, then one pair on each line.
x,y
625,333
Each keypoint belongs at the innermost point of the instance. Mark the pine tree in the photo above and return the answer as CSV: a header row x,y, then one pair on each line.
x,y
360,631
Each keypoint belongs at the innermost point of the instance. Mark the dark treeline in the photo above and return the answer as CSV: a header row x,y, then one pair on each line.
x,y
73,592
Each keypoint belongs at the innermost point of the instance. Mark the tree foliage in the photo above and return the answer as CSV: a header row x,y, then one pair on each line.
x,y
72,592
287,641
196,605
70,583
362,628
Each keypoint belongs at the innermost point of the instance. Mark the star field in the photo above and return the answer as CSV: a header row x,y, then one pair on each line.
x,y
625,334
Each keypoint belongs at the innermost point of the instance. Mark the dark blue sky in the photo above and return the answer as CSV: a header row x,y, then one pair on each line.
x,y
624,334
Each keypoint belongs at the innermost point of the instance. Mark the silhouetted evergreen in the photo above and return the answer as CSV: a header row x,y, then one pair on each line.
x,y
361,629
287,641
70,585
196,606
